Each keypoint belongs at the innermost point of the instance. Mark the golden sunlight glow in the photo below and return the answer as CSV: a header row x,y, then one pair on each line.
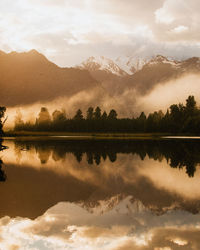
x,y
180,242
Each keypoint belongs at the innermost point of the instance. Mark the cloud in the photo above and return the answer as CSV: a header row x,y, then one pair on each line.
x,y
68,226
174,91
70,31
135,178
180,28
129,12
113,222
178,21
167,238
128,103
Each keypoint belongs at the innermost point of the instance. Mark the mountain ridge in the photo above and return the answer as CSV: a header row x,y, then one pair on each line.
x,y
130,65
30,77
150,73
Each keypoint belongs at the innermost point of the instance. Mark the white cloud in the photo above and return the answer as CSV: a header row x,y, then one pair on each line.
x,y
69,226
180,28
163,17
178,21
69,31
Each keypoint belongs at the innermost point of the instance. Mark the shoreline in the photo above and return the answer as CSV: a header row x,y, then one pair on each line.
x,y
95,136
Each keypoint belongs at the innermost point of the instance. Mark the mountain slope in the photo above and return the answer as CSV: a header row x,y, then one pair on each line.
x,y
101,63
159,70
138,74
29,77
130,64
26,78
107,72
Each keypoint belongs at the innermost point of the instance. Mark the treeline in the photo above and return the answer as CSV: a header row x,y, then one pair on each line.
x,y
2,113
179,118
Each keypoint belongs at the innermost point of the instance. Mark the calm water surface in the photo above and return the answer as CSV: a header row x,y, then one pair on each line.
x,y
85,194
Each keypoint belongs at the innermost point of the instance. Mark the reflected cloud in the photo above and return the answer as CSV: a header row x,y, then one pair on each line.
x,y
116,195
89,173
69,226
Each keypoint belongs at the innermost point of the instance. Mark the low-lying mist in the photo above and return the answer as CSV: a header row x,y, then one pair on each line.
x,y
127,104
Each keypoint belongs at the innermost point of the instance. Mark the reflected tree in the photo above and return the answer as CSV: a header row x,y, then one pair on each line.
x,y
79,156
97,158
179,154
2,173
2,113
89,158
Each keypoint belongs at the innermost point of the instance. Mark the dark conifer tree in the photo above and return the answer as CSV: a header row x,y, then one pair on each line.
x,y
78,115
104,115
2,113
97,113
112,115
90,113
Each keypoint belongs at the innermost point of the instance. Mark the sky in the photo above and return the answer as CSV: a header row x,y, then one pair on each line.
x,y
70,31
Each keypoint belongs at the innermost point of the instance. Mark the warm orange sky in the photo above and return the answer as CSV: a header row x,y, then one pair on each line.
x,y
69,31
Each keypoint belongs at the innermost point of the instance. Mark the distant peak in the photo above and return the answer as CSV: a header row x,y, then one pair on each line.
x,y
36,55
159,58
102,63
98,59
31,55
193,59
30,52
131,64
33,51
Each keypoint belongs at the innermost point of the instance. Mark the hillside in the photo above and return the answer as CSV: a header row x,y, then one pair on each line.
x,y
29,77
141,75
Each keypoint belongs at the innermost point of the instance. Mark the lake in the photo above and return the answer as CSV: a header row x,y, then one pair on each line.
x,y
100,194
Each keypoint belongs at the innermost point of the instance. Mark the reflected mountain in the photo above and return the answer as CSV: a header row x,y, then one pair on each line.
x,y
90,173
69,226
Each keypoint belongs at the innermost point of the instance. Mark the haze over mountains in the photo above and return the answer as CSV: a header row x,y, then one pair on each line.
x,y
28,78
141,75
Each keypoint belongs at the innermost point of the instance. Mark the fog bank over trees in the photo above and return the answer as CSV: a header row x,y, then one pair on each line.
x,y
179,118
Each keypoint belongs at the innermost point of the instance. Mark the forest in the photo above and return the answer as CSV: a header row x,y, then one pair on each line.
x,y
179,118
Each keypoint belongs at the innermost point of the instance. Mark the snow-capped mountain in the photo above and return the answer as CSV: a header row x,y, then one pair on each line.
x,y
121,66
102,63
162,59
131,64
190,65
127,65
138,74
160,69
122,204
117,204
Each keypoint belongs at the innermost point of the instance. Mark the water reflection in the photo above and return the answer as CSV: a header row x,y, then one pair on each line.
x,y
178,154
2,173
100,194
69,226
